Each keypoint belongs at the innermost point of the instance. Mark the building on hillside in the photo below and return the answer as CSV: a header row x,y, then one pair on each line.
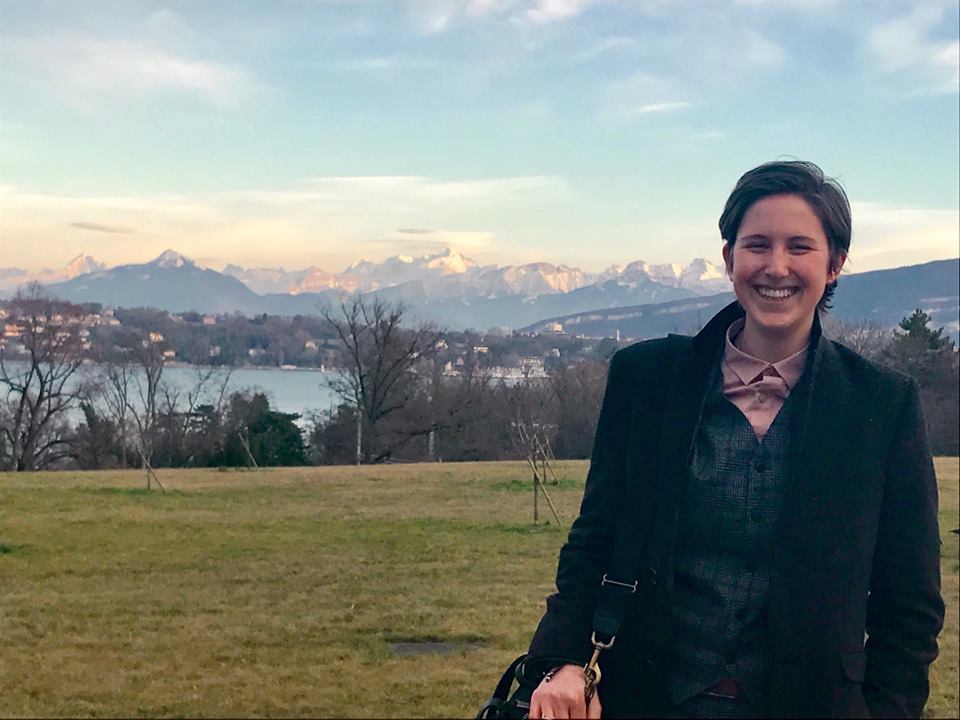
x,y
209,319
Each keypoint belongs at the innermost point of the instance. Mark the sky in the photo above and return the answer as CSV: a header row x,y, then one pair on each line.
x,y
585,132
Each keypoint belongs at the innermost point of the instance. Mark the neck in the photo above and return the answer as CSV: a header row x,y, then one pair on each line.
x,y
770,346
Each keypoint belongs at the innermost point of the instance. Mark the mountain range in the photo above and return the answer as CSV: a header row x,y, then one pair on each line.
x,y
457,292
883,297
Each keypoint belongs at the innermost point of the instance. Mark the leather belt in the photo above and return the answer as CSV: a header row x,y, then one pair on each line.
x,y
727,688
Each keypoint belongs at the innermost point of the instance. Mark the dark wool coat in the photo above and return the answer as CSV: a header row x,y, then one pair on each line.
x,y
855,551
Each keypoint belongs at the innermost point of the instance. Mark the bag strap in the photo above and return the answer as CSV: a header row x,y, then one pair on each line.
x,y
622,578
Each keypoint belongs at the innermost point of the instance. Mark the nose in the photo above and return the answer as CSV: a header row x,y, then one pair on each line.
x,y
778,263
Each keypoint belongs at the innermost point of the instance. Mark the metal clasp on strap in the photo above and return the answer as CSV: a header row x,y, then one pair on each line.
x,y
608,581
591,671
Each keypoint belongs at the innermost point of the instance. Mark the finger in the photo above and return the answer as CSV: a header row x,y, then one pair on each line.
x,y
594,710
578,706
536,708
547,712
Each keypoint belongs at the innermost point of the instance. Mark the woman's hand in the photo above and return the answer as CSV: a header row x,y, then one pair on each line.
x,y
560,696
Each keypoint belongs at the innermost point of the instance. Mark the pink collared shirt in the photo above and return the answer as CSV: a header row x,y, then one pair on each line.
x,y
757,387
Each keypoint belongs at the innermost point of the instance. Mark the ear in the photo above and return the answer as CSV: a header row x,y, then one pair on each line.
x,y
835,270
728,258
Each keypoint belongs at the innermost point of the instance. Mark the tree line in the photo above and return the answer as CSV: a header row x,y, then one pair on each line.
x,y
64,404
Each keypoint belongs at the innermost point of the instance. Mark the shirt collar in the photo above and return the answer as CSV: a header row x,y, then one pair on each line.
x,y
749,368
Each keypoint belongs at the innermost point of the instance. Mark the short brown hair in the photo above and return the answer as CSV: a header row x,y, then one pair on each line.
x,y
824,195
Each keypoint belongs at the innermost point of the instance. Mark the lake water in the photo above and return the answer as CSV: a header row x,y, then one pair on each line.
x,y
290,391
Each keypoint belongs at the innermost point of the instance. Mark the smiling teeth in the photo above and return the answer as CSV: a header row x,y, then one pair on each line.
x,y
778,294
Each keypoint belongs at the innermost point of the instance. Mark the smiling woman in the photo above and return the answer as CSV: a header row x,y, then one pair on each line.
x,y
777,491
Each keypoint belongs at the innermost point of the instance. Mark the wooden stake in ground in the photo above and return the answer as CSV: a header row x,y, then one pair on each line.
x,y
242,433
538,482
150,473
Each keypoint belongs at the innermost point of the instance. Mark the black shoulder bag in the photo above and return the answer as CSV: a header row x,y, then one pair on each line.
x,y
615,591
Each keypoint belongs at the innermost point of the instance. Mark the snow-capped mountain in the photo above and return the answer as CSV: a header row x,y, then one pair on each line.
x,y
448,274
12,278
171,259
171,282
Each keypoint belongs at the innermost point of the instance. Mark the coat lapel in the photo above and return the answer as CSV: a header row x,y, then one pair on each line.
x,y
693,370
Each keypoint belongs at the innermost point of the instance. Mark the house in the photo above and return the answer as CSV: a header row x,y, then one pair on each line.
x,y
209,319
155,337
310,345
214,351
169,354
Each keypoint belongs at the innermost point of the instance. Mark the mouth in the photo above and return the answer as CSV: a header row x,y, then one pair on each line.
x,y
776,293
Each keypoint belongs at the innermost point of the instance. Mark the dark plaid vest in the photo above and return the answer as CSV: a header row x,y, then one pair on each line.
x,y
725,530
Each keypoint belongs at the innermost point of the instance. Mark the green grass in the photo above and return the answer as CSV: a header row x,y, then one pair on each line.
x,y
279,592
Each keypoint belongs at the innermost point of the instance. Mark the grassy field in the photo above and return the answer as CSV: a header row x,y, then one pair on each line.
x,y
280,592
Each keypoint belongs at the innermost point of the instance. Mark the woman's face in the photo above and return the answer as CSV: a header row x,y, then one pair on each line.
x,y
780,265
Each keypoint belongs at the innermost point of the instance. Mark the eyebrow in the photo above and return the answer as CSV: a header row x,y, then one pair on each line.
x,y
761,236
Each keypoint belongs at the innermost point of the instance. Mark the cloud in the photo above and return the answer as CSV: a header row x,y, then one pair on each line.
x,y
415,231
375,63
762,52
548,11
436,16
641,94
908,45
89,71
605,46
101,227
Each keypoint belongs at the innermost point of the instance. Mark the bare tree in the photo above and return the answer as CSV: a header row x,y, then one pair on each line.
x,y
378,358
867,337
113,380
143,403
41,385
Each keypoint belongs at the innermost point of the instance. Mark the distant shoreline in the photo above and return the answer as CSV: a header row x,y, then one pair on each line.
x,y
265,368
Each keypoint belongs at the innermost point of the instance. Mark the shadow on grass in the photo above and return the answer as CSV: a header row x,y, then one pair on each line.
x,y
529,528
527,485
432,644
130,492
10,549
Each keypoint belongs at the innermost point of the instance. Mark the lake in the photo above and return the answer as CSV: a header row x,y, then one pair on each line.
x,y
289,391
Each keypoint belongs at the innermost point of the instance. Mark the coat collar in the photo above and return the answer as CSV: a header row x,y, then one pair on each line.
x,y
711,337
